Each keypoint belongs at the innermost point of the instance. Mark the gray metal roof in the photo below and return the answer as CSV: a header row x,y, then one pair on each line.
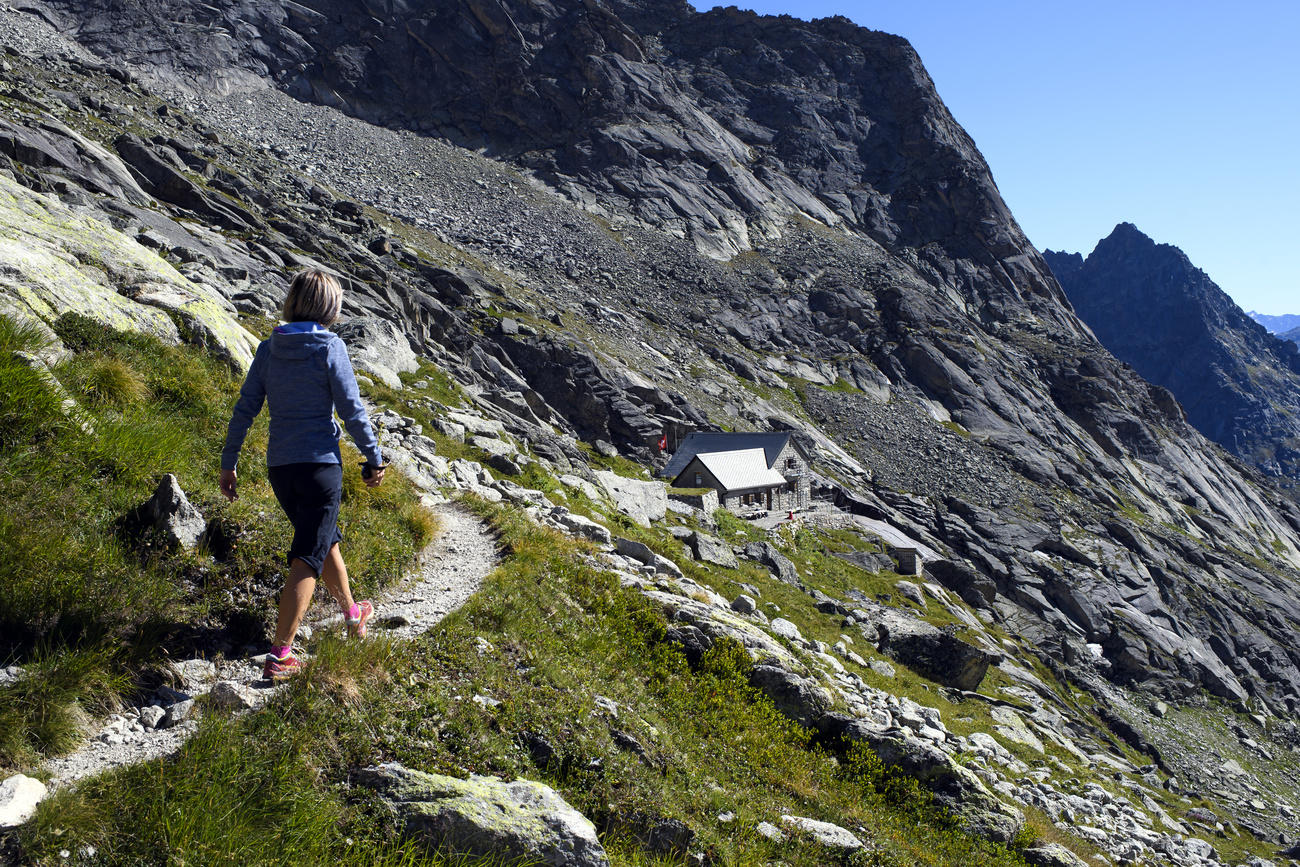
x,y
723,441
740,470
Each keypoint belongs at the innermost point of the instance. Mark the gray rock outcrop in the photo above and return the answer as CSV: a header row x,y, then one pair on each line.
x,y
711,549
379,348
930,651
641,501
170,513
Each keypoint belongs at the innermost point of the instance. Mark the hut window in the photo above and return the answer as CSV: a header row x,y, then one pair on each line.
x,y
699,480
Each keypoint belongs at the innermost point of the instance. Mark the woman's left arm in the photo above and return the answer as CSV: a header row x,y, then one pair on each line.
x,y
347,400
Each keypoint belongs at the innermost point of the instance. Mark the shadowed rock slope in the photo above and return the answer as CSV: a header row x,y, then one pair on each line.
x,y
1151,307
675,220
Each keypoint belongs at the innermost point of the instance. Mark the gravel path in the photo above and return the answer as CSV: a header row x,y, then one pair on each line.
x,y
450,570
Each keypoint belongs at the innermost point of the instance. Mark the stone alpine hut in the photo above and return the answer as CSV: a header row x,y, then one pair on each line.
x,y
763,470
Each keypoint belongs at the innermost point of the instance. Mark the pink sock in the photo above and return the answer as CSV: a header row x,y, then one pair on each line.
x,y
354,612
280,652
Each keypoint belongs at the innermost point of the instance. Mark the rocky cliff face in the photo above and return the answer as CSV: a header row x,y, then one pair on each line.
x,y
1151,307
613,223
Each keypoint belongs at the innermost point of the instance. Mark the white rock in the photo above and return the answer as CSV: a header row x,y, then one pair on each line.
x,y
830,835
19,796
152,715
641,501
233,696
786,629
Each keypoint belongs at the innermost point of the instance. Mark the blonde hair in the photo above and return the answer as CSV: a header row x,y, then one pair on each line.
x,y
314,296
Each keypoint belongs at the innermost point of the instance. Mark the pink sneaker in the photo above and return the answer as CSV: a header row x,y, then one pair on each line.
x,y
357,626
278,668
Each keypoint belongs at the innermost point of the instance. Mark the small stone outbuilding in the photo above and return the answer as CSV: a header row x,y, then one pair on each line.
x,y
748,470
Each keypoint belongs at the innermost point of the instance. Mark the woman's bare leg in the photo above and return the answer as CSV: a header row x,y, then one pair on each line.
x,y
294,601
334,572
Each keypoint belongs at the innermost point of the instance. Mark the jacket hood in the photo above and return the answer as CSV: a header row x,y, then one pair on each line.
x,y
300,345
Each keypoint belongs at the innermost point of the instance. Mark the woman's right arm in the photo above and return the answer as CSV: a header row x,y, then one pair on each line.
x,y
251,397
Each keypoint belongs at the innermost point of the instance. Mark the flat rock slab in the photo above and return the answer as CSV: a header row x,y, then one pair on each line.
x,y
643,502
487,816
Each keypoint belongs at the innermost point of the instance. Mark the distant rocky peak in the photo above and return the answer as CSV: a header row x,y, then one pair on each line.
x,y
1153,308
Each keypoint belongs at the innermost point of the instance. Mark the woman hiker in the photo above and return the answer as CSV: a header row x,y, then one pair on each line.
x,y
303,373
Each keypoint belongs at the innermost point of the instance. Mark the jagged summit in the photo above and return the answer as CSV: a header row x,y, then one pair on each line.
x,y
1154,309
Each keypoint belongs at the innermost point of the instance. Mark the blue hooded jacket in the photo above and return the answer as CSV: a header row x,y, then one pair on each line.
x,y
303,374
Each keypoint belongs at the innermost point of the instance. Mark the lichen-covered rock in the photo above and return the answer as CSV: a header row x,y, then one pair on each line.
x,y
55,261
486,816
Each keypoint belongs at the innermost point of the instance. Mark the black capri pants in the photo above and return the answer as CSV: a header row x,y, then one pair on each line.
x,y
309,495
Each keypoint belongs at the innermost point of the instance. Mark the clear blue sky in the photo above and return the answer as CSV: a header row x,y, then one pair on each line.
x,y
1182,118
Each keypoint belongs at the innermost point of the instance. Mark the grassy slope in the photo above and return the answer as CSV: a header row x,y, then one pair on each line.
x,y
85,609
555,633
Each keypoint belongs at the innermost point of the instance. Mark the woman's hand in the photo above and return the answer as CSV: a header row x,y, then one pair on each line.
x,y
227,484
376,476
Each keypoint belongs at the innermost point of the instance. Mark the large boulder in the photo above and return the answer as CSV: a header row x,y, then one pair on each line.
x,y
779,564
379,348
800,698
711,549
641,501
484,816
931,651
642,553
